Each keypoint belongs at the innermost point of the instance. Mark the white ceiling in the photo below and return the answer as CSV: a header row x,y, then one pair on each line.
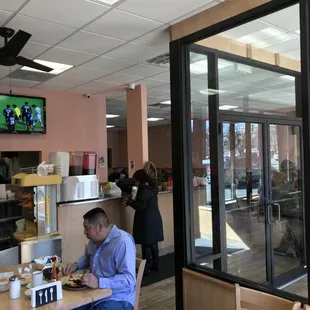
x,y
109,46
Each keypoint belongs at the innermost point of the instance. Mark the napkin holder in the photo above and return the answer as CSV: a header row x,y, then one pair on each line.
x,y
45,294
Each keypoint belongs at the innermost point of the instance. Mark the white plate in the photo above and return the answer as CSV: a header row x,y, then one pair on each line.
x,y
30,284
28,293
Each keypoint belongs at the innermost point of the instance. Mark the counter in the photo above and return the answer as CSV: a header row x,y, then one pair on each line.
x,y
70,223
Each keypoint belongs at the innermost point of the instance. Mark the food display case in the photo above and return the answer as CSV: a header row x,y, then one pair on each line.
x,y
38,195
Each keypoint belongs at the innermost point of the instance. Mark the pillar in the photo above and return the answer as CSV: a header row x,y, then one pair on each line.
x,y
137,132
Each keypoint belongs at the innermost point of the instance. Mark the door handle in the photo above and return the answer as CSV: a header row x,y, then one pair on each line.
x,y
279,212
268,214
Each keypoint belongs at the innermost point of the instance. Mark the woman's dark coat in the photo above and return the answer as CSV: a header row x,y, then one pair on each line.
x,y
148,224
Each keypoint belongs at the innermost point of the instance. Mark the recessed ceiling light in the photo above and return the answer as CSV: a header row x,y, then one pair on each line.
x,y
57,67
210,91
287,77
111,115
110,126
155,119
109,2
228,107
166,102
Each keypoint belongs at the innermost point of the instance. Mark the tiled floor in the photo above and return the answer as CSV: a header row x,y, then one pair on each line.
x,y
158,296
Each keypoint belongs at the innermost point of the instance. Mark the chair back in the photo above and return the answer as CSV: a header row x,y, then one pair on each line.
x,y
248,299
140,265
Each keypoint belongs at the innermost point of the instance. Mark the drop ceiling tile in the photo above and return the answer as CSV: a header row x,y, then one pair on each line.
x,y
119,78
143,70
54,87
91,43
122,25
81,11
150,83
287,19
4,16
97,86
33,49
134,52
293,54
18,83
42,31
165,87
165,77
158,38
65,56
75,77
162,10
108,64
245,29
5,71
12,5
284,46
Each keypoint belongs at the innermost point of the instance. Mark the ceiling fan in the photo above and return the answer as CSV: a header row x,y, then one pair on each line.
x,y
9,53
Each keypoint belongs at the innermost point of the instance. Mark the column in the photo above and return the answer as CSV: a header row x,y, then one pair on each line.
x,y
137,132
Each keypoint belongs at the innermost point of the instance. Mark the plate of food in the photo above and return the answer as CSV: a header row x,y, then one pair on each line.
x,y
73,282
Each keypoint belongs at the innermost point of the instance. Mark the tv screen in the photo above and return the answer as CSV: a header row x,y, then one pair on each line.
x,y
22,115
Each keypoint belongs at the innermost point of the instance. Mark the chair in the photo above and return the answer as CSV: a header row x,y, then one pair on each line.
x,y
247,299
140,265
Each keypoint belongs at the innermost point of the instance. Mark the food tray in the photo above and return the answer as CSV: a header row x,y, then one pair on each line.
x,y
4,281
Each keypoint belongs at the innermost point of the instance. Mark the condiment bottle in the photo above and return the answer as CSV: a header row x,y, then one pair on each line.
x,y
14,287
54,272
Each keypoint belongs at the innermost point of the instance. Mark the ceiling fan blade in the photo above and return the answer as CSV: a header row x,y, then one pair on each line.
x,y
16,44
32,64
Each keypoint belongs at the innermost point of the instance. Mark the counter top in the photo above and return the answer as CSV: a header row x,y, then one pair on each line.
x,y
83,202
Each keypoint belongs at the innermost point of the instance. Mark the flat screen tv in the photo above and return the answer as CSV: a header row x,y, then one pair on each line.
x,y
22,114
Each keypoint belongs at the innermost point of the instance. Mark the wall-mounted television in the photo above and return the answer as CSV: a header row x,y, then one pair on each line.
x,y
22,114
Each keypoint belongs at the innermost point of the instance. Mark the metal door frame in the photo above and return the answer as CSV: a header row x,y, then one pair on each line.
x,y
265,121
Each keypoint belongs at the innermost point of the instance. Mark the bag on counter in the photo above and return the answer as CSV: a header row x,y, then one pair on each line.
x,y
112,190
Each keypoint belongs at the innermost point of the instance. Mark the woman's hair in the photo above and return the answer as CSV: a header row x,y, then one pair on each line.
x,y
142,177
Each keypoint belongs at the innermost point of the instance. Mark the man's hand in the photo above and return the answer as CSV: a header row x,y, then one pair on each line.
x,y
90,280
70,268
124,202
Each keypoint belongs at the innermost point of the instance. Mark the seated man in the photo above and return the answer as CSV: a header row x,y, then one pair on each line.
x,y
111,257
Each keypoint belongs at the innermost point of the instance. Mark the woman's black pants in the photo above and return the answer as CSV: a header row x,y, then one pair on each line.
x,y
151,254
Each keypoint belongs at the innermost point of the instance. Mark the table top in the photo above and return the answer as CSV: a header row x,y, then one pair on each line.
x,y
70,299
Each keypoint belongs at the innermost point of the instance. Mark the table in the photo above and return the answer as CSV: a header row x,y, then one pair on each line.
x,y
70,299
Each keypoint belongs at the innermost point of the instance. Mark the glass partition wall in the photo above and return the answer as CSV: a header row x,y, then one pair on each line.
x,y
241,178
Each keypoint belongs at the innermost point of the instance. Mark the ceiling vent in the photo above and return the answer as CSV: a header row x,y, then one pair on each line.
x,y
31,75
161,60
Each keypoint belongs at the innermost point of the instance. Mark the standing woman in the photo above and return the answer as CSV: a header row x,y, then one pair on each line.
x,y
148,224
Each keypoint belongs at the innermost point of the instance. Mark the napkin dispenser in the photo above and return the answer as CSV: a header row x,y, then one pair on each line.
x,y
45,294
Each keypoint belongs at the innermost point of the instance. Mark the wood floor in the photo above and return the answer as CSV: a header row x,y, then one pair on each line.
x,y
158,296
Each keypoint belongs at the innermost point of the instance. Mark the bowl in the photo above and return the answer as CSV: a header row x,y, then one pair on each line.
x,y
4,281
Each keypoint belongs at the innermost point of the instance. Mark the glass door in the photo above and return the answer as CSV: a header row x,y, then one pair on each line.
x,y
264,202
285,208
244,173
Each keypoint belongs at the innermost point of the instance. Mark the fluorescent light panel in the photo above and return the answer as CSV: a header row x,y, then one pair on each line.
x,y
201,66
111,116
228,107
110,126
166,102
58,67
109,2
155,119
210,91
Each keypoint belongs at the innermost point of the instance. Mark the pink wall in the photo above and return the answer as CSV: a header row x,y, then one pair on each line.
x,y
74,123
159,146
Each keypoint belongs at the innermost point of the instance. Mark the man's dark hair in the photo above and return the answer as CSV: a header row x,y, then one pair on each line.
x,y
34,106
96,216
14,106
8,106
